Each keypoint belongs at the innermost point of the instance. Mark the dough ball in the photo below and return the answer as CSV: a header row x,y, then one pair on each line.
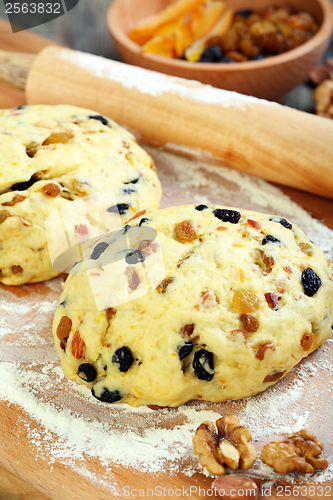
x,y
243,298
51,155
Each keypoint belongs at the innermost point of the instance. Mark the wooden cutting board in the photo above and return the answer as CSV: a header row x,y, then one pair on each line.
x,y
22,476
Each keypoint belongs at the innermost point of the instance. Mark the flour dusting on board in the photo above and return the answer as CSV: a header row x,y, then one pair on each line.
x,y
156,84
64,424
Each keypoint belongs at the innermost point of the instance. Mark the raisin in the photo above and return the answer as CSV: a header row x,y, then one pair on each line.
x,y
161,288
245,302
63,303
282,221
270,238
250,323
260,354
107,396
133,278
17,270
274,377
4,214
311,282
110,313
185,231
231,216
203,365
265,262
64,328
133,182
58,138
307,340
63,344
211,54
133,257
87,372
98,250
23,186
128,191
51,190
271,299
200,208
121,208
31,150
124,358
187,330
185,350
100,118
16,199
246,13
143,221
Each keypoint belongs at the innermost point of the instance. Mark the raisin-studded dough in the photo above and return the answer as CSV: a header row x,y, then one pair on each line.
x,y
52,154
245,297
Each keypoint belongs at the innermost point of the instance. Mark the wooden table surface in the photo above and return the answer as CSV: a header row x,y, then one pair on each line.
x,y
26,41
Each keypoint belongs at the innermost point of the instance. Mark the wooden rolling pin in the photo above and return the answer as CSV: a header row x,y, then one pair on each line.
x,y
264,139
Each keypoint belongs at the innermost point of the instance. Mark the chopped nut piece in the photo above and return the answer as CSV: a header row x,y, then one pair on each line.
x,y
274,377
232,487
298,452
209,299
226,444
133,278
161,288
50,124
77,345
271,299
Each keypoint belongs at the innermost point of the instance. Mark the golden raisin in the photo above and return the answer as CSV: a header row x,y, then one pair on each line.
x,y
31,149
133,278
250,323
17,270
4,214
161,288
245,302
56,138
308,340
51,190
17,199
260,354
229,41
64,328
265,262
186,231
306,248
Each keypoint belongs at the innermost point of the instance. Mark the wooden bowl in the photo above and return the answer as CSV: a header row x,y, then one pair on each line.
x,y
269,78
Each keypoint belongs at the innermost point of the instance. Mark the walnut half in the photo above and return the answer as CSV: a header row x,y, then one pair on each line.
x,y
226,444
298,452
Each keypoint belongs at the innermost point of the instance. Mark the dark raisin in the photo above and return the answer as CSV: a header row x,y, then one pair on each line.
x,y
203,365
124,358
126,228
231,216
143,221
246,13
100,118
121,208
87,372
200,208
63,344
63,303
161,288
107,396
128,191
98,250
133,182
270,238
211,54
22,186
282,221
258,57
226,59
311,282
185,350
135,257
20,107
